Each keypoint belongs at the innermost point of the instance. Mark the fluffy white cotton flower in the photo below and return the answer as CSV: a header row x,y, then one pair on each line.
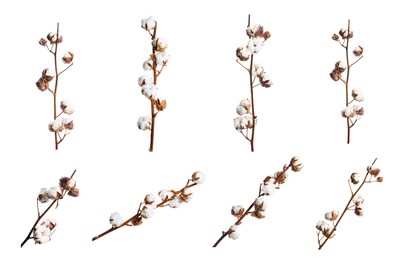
x,y
187,195
241,110
355,178
268,189
160,44
348,112
165,194
176,202
259,70
251,30
54,193
243,53
331,215
358,95
243,122
68,57
162,58
144,123
254,45
149,91
67,107
260,203
148,23
43,195
56,126
148,64
198,177
322,225
116,219
149,199
144,80
233,232
245,103
358,200
237,209
147,211
266,80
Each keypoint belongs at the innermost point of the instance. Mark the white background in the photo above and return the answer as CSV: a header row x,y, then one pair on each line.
x,y
299,115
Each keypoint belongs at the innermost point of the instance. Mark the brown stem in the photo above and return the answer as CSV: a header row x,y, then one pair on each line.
x,y
56,84
251,96
346,208
153,114
40,217
347,80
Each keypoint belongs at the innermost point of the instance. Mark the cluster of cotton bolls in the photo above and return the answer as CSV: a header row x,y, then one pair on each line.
x,y
43,232
257,36
325,227
59,125
170,198
245,119
356,110
66,185
267,188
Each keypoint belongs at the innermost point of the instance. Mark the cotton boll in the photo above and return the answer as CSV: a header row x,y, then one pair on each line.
x,y
176,202
243,53
68,57
358,95
148,23
162,58
246,103
348,112
358,200
233,232
42,239
259,70
237,210
321,225
147,211
43,195
148,64
56,126
54,193
260,203
144,123
149,199
268,189
355,178
165,194
144,80
266,80
149,91
358,51
198,177
240,110
159,44
116,219
257,44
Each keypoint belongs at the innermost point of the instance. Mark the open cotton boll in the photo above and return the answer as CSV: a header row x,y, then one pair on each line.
x,y
43,195
67,107
260,203
148,23
241,110
54,193
358,95
243,53
159,44
149,91
165,194
266,80
162,58
42,239
116,219
176,202
246,103
148,64
147,211
233,232
348,112
144,123
144,80
237,210
198,177
268,189
56,126
149,199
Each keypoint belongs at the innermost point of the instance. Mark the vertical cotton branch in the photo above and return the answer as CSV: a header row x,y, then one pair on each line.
x,y
60,127
156,62
247,118
352,113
